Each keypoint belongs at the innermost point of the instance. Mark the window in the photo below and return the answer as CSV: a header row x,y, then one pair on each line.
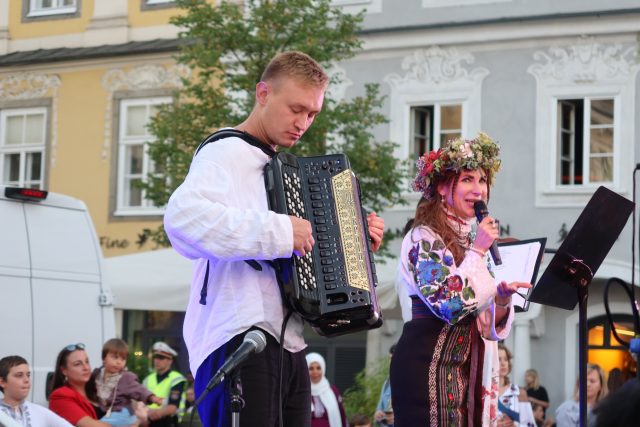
x,y
134,164
605,350
51,7
433,125
585,120
22,147
435,99
585,141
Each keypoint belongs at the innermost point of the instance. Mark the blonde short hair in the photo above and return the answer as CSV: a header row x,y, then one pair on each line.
x,y
297,65
591,367
536,379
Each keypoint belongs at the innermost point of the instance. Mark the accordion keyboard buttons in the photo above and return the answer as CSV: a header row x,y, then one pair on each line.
x,y
320,221
324,245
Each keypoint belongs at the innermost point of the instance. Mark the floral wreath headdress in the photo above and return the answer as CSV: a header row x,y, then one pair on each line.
x,y
457,154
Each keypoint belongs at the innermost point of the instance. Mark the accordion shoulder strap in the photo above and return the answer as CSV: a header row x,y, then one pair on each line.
x,y
234,133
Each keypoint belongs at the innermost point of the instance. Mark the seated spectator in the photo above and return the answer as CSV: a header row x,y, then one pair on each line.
x,y
117,388
326,401
70,397
537,394
568,413
615,380
190,417
15,384
359,420
538,415
621,408
167,384
514,408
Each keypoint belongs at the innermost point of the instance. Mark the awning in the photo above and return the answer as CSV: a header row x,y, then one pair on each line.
x,y
160,280
154,280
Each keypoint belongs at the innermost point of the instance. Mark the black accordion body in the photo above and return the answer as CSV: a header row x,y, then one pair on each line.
x,y
333,286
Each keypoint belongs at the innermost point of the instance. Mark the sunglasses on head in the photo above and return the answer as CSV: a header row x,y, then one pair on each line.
x,y
161,357
74,347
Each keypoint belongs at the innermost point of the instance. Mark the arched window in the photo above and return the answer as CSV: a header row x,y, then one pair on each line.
x,y
606,351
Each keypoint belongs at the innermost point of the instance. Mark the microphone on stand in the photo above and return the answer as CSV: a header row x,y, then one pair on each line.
x,y
254,342
481,210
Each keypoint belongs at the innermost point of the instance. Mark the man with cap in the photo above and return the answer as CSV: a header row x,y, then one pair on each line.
x,y
167,384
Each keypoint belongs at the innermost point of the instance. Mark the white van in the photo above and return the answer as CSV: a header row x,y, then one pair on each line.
x,y
52,292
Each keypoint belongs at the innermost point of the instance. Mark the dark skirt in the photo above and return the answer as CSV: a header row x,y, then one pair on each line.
x,y
436,374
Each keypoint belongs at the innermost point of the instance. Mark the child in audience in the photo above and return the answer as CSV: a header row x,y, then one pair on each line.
x,y
15,384
116,387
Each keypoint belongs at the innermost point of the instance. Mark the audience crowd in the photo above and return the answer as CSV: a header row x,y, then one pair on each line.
x,y
111,395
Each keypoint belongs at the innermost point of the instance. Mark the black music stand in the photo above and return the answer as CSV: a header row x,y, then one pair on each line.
x,y
565,281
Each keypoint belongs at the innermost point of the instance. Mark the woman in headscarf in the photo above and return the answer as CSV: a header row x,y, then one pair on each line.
x,y
445,367
326,401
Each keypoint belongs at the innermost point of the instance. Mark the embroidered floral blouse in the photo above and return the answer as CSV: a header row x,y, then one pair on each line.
x,y
453,292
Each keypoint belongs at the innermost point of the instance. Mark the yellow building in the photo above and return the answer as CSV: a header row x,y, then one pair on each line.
x,y
79,80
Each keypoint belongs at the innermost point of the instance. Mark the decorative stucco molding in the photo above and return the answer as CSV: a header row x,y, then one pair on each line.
x,y
434,76
435,66
586,61
144,77
24,86
583,68
27,86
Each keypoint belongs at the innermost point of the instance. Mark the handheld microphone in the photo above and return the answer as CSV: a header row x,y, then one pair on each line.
x,y
480,208
254,342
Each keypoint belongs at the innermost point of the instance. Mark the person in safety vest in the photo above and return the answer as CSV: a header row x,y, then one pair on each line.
x,y
167,384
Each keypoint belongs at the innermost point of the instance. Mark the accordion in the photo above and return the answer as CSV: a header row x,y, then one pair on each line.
x,y
332,287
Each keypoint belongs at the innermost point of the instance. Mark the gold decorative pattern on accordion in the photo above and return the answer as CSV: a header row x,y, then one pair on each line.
x,y
350,230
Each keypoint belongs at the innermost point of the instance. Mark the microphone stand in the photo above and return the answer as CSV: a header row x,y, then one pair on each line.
x,y
235,397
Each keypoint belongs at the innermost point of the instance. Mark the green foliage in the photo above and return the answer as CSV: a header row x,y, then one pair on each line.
x,y
227,47
363,397
138,363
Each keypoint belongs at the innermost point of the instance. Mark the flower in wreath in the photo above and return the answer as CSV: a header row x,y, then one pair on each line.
x,y
454,283
429,272
447,260
456,155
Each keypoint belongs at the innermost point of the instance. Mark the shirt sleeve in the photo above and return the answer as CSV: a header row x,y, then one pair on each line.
x,y
51,419
133,389
175,395
451,292
204,220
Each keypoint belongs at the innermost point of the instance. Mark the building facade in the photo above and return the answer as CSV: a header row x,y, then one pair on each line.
x,y
556,83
